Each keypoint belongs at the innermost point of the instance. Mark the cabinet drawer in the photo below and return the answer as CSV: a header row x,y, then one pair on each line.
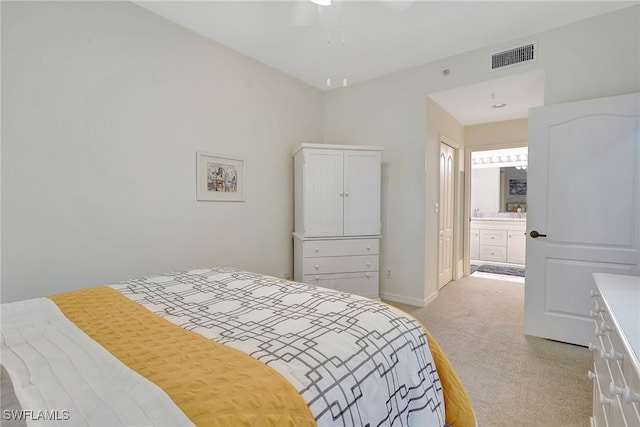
x,y
340,264
599,410
493,237
365,284
342,247
493,253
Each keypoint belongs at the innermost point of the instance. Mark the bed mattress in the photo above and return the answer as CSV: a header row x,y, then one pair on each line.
x,y
223,346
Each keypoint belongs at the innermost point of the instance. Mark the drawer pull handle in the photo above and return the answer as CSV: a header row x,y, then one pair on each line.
x,y
611,356
316,266
317,250
367,275
368,247
630,396
593,347
591,375
604,400
598,308
604,327
594,293
614,389
317,278
368,264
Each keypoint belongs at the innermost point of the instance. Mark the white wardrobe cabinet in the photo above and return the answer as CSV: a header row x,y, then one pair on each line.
x,y
337,216
337,192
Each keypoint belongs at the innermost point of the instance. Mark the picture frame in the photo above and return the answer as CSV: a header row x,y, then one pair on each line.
x,y
518,187
220,178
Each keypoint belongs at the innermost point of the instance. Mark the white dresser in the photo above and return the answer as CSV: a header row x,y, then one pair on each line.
x,y
616,347
337,217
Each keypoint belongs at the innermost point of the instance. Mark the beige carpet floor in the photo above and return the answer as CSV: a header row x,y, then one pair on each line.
x,y
512,380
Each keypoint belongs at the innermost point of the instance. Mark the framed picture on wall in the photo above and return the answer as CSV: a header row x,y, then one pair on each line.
x,y
220,178
518,187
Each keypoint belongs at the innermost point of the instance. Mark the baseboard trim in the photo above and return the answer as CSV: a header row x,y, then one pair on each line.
x,y
431,298
416,302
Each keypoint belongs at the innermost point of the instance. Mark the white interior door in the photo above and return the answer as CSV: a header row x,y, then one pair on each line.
x,y
583,201
446,215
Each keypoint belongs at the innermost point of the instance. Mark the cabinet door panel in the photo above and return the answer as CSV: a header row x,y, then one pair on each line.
x,y
516,246
362,193
323,193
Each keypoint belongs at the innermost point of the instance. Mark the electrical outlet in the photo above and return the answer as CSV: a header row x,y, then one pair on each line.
x,y
388,274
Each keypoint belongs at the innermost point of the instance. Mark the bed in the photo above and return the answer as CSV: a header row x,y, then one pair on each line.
x,y
222,347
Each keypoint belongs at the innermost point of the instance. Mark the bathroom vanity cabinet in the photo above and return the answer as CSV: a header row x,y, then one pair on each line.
x,y
498,240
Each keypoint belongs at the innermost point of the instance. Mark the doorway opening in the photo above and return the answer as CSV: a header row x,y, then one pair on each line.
x,y
498,213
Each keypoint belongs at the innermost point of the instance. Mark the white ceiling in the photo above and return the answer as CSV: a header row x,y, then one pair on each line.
x,y
305,41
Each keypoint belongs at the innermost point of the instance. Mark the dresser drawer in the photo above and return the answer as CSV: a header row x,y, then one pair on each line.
x,y
493,237
340,264
365,284
493,253
599,418
323,248
614,358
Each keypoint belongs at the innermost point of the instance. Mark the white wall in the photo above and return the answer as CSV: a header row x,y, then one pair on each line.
x,y
392,111
513,133
104,107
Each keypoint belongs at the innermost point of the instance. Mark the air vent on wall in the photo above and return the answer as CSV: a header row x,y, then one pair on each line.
x,y
515,56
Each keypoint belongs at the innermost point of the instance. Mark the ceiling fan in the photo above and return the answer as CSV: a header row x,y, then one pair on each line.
x,y
305,12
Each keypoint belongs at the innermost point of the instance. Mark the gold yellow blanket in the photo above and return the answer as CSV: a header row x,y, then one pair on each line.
x,y
213,384
458,409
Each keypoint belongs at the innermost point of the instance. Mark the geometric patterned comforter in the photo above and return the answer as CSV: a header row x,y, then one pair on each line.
x,y
355,361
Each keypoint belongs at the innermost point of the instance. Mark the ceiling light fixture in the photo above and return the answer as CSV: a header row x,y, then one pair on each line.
x,y
322,2
497,104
